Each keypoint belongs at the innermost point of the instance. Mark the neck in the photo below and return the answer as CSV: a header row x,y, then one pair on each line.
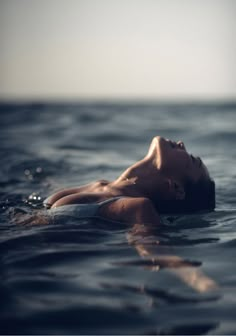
x,y
142,179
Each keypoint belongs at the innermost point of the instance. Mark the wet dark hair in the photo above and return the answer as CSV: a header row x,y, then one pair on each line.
x,y
199,196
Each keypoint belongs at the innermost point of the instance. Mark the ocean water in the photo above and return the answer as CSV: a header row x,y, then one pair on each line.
x,y
83,277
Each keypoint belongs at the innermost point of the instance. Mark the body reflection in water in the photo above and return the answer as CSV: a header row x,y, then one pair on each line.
x,y
145,240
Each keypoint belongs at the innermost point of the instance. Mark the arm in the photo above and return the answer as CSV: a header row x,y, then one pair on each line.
x,y
143,238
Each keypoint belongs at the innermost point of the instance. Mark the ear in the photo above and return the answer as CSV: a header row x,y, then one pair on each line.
x,y
177,189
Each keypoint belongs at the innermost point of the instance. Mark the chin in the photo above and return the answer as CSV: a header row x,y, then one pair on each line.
x,y
163,150
156,150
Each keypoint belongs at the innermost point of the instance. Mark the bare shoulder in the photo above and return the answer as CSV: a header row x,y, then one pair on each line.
x,y
131,210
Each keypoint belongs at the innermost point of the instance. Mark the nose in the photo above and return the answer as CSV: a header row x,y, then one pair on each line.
x,y
181,145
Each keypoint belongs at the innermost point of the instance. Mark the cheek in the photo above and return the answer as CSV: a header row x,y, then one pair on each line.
x,y
187,163
173,163
182,163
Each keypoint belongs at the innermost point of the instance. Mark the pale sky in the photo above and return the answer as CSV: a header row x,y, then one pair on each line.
x,y
111,49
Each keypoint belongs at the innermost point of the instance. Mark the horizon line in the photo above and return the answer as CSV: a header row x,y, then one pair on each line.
x,y
118,100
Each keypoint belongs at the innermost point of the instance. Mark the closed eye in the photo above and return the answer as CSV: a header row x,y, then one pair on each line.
x,y
200,161
193,158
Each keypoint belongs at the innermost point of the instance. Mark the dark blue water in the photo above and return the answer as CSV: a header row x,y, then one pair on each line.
x,y
83,277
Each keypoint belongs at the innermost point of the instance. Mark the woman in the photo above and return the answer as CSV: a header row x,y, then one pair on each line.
x,y
167,180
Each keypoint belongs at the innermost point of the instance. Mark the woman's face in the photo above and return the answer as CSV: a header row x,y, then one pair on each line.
x,y
174,161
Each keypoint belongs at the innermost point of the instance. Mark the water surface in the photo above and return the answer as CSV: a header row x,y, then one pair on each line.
x,y
83,277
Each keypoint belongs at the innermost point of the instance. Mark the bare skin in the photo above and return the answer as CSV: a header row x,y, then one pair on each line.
x,y
161,173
